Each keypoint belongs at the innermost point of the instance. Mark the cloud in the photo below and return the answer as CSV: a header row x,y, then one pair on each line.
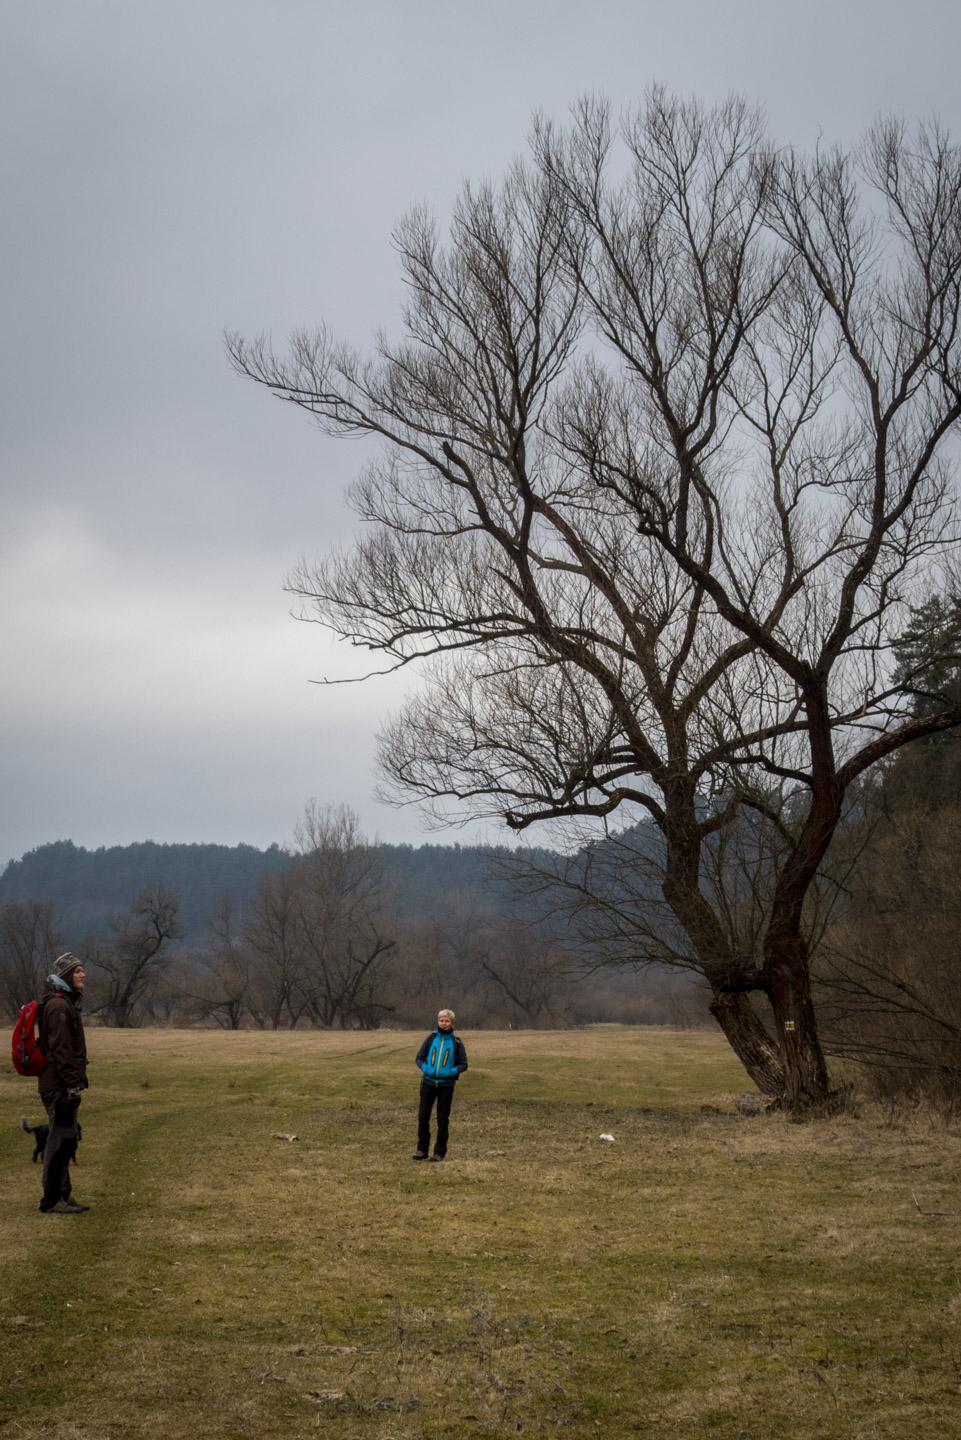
x,y
169,170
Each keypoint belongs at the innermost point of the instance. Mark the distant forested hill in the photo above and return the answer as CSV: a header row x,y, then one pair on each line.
x,y
433,881
85,886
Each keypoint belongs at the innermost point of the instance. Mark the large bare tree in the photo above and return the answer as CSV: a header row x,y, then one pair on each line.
x,y
664,448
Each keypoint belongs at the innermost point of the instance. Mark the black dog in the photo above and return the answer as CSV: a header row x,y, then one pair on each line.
x,y
40,1133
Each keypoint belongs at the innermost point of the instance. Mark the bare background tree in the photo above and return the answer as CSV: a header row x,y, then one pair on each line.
x,y
125,970
531,973
29,941
891,983
279,993
343,919
888,973
320,931
222,986
664,455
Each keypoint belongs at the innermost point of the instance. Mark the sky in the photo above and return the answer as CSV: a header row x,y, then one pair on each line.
x,y
170,170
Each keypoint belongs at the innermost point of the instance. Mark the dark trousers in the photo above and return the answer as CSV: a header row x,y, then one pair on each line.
x,y
60,1148
444,1095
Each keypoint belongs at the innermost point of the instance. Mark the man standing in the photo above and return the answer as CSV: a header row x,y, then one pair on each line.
x,y
62,1080
440,1060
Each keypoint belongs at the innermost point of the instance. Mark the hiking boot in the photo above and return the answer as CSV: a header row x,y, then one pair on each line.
x,y
63,1207
435,1156
418,1155
74,1205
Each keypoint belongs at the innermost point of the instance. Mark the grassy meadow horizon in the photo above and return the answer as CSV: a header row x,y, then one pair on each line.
x,y
701,1275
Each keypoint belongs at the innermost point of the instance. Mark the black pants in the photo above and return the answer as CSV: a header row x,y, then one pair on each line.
x,y
60,1148
444,1095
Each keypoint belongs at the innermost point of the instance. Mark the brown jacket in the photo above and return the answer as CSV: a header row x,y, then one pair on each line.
x,y
62,1041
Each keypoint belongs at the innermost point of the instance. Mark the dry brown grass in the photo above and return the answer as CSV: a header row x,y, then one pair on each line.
x,y
703,1276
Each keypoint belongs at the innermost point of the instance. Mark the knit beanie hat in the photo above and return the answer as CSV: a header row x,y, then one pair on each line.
x,y
65,965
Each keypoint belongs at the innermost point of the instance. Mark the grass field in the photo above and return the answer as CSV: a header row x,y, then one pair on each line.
x,y
705,1275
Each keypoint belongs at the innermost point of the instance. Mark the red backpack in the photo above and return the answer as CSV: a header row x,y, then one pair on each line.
x,y
28,1058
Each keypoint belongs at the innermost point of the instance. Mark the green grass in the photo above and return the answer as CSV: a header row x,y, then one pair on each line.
x,y
704,1276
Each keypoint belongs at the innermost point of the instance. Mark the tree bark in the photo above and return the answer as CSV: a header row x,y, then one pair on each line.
x,y
786,971
750,1041
806,1083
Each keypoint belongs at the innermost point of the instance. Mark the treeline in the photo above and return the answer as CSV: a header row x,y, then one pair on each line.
x,y
333,931
87,887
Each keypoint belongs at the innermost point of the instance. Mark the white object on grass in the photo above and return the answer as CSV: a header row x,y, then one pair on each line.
x,y
607,1137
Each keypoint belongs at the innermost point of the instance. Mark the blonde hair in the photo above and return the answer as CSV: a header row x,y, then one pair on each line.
x,y
449,1013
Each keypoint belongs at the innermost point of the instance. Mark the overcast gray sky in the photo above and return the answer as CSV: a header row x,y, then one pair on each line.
x,y
169,169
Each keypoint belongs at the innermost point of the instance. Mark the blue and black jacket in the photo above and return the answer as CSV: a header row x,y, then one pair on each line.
x,y
441,1058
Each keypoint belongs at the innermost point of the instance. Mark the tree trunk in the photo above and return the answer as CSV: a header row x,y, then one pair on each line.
x,y
750,1041
805,1070
786,972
